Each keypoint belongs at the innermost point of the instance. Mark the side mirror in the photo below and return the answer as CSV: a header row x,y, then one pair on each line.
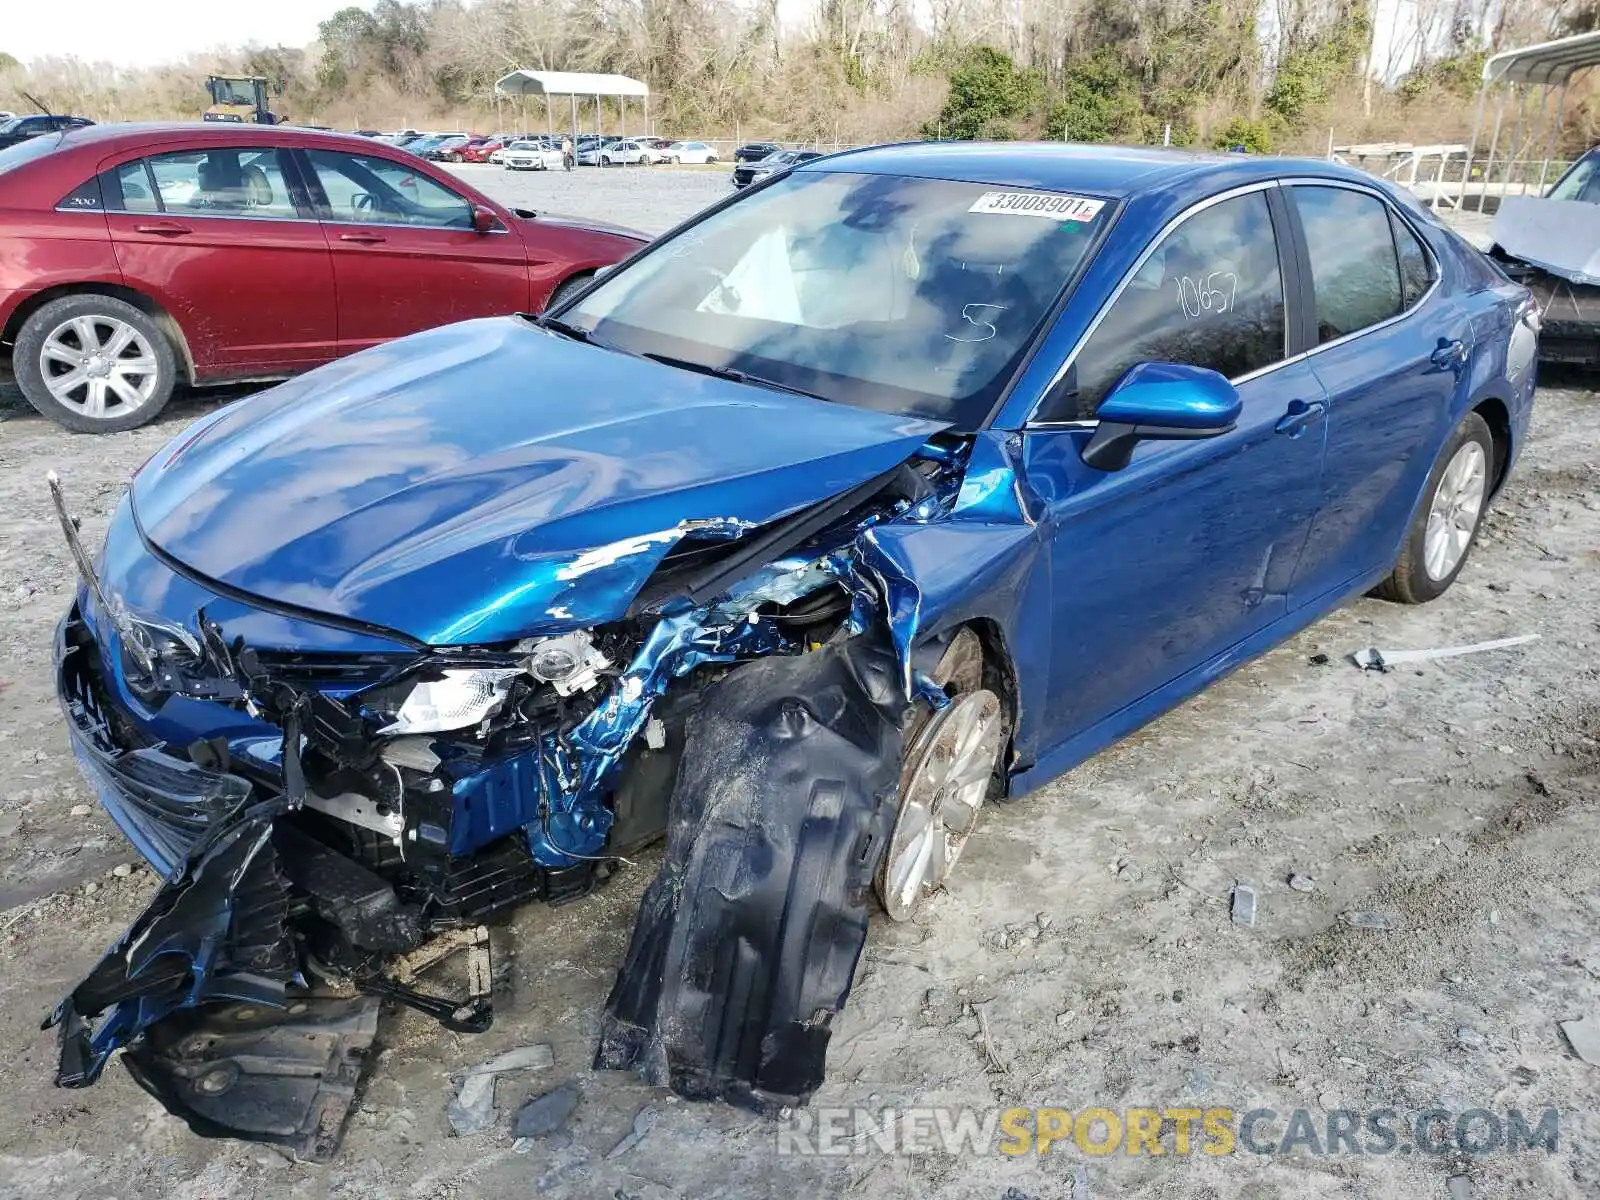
x,y
484,220
1160,401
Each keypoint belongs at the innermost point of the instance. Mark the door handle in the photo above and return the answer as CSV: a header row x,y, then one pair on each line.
x,y
1300,413
1450,354
363,237
163,228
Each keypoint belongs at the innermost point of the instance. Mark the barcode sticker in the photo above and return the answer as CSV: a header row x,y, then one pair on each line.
x,y
1051,206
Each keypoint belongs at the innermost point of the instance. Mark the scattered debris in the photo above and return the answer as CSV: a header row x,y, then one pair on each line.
x,y
1302,883
1524,1075
1373,659
1460,1187
1129,871
989,1051
524,1058
1382,922
1243,906
473,1110
547,1114
643,1122
1470,1039
1319,660
80,810
122,870
1583,1035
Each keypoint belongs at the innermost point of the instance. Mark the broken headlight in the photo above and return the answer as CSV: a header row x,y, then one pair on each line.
x,y
458,699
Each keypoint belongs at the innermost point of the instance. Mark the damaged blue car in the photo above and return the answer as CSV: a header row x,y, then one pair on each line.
x,y
896,485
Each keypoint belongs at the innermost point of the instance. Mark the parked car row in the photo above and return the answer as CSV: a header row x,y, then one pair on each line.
x,y
142,256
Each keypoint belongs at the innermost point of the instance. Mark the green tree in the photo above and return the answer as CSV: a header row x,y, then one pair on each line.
x,y
8,61
988,92
1099,100
1253,137
344,37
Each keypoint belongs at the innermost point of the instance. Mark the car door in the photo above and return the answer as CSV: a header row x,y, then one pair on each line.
x,y
1163,567
405,254
1391,352
225,239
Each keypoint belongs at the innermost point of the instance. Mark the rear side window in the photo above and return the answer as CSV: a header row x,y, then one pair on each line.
x,y
1209,295
1354,271
208,183
85,196
1416,268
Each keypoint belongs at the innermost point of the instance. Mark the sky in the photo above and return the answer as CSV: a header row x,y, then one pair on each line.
x,y
141,33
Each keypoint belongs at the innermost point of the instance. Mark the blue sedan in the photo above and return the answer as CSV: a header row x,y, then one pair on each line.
x,y
901,482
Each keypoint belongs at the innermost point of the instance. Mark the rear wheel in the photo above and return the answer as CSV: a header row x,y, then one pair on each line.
x,y
1446,524
605,161
95,364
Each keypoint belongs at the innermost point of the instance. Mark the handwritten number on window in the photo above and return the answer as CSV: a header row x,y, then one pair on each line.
x,y
1207,295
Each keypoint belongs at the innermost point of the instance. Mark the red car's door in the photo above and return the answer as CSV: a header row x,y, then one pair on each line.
x,y
225,240
405,254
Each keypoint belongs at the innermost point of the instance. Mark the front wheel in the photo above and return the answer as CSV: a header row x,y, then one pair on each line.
x,y
95,364
1447,522
605,162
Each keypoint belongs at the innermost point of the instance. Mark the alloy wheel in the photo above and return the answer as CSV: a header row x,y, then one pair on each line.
x,y
942,788
98,366
1454,513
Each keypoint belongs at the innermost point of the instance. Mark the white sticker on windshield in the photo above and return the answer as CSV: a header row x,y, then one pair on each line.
x,y
1051,206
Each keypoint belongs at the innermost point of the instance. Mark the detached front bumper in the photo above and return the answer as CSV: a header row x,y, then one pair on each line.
x,y
162,804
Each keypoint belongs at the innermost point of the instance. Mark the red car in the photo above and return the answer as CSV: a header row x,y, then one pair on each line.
x,y
478,152
136,257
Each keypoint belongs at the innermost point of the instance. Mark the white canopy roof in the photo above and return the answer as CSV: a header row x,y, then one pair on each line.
x,y
568,83
1546,63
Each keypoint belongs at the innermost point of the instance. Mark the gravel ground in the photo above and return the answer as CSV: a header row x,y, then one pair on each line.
x,y
652,199
1084,956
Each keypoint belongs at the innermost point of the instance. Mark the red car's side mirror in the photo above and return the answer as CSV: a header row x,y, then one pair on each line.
x,y
484,220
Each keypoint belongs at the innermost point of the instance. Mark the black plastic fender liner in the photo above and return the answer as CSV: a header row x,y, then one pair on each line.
x,y
746,943
286,1076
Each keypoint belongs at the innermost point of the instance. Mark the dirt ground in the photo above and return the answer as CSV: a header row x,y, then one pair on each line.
x,y
1087,931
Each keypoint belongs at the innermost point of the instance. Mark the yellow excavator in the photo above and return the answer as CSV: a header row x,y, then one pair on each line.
x,y
239,98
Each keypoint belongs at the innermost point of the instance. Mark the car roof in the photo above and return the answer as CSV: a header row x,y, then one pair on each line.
x,y
110,138
1111,171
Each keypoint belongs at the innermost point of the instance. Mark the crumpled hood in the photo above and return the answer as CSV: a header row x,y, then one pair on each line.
x,y
489,480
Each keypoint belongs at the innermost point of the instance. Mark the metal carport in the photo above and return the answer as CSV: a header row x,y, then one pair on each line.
x,y
1548,66
572,84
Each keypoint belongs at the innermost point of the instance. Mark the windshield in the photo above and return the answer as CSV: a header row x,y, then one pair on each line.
x,y
1581,182
915,296
233,91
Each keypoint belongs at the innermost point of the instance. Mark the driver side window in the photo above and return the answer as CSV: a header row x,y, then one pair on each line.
x,y
367,190
1209,295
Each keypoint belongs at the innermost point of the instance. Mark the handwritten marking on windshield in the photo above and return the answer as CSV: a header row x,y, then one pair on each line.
x,y
1211,294
966,315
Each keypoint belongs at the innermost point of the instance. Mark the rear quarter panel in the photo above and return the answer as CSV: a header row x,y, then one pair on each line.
x,y
46,249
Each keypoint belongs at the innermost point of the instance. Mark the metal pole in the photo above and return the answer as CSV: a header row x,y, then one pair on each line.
x,y
574,98
549,115
1494,142
1555,130
1472,146
1330,143
1516,137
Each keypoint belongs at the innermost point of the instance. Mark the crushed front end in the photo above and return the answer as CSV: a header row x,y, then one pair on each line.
x,y
325,797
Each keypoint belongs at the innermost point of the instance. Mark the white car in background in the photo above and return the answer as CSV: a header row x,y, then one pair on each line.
x,y
697,153
621,153
529,156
